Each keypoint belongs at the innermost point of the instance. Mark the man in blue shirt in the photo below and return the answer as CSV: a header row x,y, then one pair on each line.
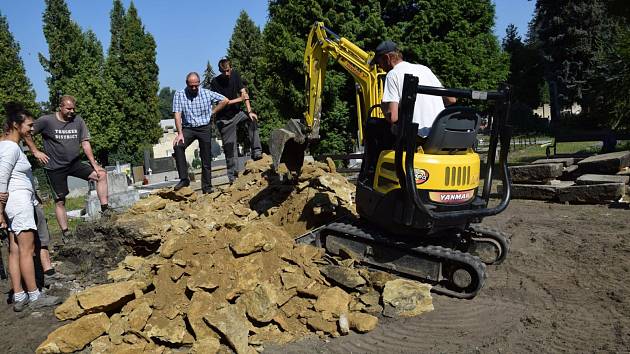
x,y
193,108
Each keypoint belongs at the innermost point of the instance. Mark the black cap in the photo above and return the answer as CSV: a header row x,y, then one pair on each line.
x,y
383,48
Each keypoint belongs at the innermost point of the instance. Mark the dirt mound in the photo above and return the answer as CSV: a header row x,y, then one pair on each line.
x,y
227,272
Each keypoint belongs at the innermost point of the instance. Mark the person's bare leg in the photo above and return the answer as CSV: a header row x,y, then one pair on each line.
x,y
14,265
44,257
26,245
60,213
101,186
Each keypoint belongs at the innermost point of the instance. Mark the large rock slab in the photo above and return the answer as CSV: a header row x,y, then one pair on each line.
x,y
346,277
605,163
76,335
546,192
149,204
570,173
535,173
100,298
601,179
403,297
592,193
565,161
232,323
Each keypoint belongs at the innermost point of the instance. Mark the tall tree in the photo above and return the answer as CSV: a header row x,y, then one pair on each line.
x,y
525,77
65,42
245,50
612,79
165,97
132,67
93,89
208,75
569,33
14,84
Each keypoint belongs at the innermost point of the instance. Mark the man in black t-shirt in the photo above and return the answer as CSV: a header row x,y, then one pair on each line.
x,y
230,85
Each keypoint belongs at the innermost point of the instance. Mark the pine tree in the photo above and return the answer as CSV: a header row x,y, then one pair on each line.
x,y
525,76
612,79
208,75
65,42
132,67
245,51
166,102
95,103
14,84
569,33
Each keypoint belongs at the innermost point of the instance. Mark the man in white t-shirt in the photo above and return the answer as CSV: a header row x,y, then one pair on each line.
x,y
427,107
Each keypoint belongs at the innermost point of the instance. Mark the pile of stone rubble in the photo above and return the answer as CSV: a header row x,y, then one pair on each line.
x,y
228,276
599,179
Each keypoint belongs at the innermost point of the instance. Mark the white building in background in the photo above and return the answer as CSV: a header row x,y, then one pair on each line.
x,y
544,111
164,147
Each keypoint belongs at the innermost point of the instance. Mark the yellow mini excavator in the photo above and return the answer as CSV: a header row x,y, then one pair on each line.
x,y
419,201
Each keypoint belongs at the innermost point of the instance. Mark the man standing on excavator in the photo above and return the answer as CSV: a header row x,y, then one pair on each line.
x,y
427,107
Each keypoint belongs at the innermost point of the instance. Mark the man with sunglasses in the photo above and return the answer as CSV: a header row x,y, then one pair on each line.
x,y
230,85
193,108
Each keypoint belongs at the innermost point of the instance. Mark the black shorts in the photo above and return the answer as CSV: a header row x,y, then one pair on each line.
x,y
58,178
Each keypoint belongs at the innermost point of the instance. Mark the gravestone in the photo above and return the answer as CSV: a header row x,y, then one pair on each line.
x,y
120,195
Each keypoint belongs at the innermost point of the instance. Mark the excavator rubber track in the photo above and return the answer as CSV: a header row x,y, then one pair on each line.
x,y
451,272
490,245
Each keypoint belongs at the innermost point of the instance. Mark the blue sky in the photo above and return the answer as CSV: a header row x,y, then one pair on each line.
x,y
188,33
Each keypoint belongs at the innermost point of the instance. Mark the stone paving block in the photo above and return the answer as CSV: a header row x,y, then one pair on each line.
x,y
600,179
565,161
570,173
592,193
535,173
605,163
546,192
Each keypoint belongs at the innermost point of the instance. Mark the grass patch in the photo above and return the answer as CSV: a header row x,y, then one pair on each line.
x,y
535,152
71,204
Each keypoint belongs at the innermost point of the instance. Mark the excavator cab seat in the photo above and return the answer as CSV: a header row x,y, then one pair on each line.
x,y
454,131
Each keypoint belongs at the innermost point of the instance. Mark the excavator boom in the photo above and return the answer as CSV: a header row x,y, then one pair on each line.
x,y
289,143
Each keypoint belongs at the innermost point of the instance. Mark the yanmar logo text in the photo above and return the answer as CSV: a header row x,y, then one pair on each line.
x,y
451,197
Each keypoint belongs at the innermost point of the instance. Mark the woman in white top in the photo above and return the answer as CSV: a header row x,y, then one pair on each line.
x,y
18,215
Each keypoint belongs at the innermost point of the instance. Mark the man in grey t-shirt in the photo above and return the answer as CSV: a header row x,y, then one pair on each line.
x,y
64,135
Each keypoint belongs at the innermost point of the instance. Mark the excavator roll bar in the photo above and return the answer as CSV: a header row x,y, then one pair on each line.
x,y
407,142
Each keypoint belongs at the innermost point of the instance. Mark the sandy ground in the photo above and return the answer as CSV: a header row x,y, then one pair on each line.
x,y
563,288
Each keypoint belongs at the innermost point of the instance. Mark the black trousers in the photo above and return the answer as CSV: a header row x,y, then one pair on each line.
x,y
228,128
203,136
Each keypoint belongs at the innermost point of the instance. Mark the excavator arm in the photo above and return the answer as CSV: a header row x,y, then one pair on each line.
x,y
288,144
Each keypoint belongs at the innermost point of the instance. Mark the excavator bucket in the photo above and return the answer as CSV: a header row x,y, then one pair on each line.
x,y
287,145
